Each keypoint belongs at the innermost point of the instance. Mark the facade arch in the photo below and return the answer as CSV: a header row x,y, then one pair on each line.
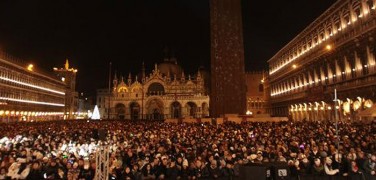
x,y
155,109
205,109
176,109
120,110
134,109
191,109
155,88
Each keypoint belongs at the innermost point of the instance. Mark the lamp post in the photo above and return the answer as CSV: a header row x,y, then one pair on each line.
x,y
142,102
336,116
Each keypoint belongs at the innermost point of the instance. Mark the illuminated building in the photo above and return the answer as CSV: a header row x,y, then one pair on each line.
x,y
165,93
336,51
27,93
257,93
68,76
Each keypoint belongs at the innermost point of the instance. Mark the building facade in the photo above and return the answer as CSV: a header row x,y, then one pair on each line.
x,y
257,94
228,89
165,93
68,76
27,94
334,53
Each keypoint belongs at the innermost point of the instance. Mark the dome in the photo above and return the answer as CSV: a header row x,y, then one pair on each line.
x,y
170,67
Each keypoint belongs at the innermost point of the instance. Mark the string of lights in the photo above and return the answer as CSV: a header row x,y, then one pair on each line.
x,y
31,85
31,102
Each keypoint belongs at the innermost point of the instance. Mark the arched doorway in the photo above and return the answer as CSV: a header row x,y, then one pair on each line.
x,y
154,108
176,110
134,108
191,109
120,111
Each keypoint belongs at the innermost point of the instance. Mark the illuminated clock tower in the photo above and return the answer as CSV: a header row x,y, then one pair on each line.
x,y
228,89
68,76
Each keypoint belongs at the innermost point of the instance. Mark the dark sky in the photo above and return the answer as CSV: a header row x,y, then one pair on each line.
x,y
127,32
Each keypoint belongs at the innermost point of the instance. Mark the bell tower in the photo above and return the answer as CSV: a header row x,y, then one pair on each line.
x,y
228,89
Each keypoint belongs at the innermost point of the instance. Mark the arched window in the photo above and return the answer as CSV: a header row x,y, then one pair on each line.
x,y
156,89
261,87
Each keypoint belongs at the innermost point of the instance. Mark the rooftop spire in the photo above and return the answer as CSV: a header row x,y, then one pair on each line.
x,y
66,64
143,71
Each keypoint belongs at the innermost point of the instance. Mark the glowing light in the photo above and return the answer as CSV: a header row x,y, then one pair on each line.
x,y
368,103
328,47
30,85
63,79
30,67
248,112
373,7
294,66
1,112
329,108
31,102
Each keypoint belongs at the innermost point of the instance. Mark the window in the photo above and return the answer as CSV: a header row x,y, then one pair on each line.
x,y
261,88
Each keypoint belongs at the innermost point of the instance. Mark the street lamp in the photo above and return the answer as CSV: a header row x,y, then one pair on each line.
x,y
328,47
30,67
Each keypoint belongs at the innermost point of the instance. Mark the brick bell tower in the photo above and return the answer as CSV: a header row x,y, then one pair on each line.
x,y
228,89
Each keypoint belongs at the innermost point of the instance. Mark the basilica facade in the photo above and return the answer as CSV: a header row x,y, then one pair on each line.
x,y
165,93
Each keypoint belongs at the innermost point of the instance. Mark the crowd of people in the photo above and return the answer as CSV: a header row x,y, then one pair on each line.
x,y
158,150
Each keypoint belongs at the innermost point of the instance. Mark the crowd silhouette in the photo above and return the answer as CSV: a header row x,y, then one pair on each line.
x,y
159,150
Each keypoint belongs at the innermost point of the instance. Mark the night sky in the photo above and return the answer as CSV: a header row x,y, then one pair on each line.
x,y
127,32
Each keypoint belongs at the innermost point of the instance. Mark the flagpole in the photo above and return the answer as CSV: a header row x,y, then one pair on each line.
x,y
109,92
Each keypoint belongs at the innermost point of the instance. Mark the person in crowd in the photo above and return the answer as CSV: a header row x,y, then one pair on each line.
x,y
370,167
35,172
